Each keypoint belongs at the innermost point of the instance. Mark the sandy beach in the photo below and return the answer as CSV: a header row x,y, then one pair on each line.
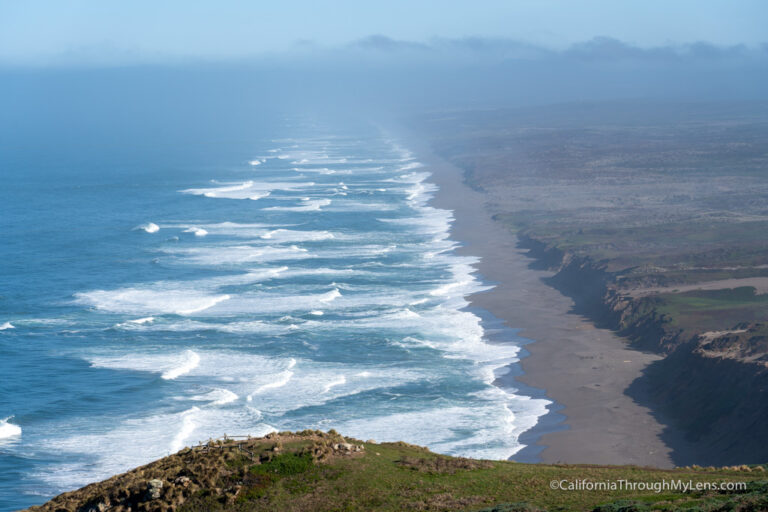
x,y
584,369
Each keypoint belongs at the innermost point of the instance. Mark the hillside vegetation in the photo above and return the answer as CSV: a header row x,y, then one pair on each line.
x,y
316,471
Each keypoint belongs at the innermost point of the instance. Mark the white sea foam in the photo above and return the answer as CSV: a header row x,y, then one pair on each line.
x,y
161,299
190,361
409,166
429,221
92,454
217,396
197,231
246,230
307,206
170,366
8,430
149,227
420,317
135,324
244,327
280,381
276,302
188,426
347,205
150,300
494,426
335,382
238,254
286,235
330,296
246,190
446,289
232,228
309,158
320,170
352,251
37,322
277,385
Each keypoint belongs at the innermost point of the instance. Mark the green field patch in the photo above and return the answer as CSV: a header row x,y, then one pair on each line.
x,y
705,310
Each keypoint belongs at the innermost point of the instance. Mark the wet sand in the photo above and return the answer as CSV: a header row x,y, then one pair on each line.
x,y
586,370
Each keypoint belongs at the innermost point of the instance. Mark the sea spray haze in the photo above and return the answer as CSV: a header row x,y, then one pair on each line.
x,y
227,269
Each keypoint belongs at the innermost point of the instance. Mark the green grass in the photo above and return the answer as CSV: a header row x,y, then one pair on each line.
x,y
285,465
396,477
705,310
303,472
671,278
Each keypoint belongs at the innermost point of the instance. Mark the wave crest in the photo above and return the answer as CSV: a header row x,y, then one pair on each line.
x,y
9,430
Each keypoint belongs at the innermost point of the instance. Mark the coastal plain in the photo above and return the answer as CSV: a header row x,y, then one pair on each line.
x,y
628,241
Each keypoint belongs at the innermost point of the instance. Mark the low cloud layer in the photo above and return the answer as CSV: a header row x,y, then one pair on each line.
x,y
598,48
381,48
375,75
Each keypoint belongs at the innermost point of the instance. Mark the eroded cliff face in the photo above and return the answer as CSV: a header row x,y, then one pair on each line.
x,y
712,385
719,401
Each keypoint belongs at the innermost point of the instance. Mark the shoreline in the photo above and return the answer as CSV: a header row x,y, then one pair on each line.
x,y
583,369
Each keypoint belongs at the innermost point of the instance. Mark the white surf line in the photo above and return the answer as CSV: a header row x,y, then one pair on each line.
x,y
337,382
330,296
282,379
149,227
188,426
9,430
191,362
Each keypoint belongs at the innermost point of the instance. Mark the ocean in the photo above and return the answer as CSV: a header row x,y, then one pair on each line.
x,y
297,278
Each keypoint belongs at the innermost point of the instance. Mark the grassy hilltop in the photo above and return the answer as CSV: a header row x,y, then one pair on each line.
x,y
316,471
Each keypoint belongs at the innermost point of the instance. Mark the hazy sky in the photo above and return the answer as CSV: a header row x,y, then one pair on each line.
x,y
45,31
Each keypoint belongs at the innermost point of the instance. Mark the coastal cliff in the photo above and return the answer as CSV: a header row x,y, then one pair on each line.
x,y
712,385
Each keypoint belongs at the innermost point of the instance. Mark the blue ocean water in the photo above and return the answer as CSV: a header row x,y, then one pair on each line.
x,y
297,279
